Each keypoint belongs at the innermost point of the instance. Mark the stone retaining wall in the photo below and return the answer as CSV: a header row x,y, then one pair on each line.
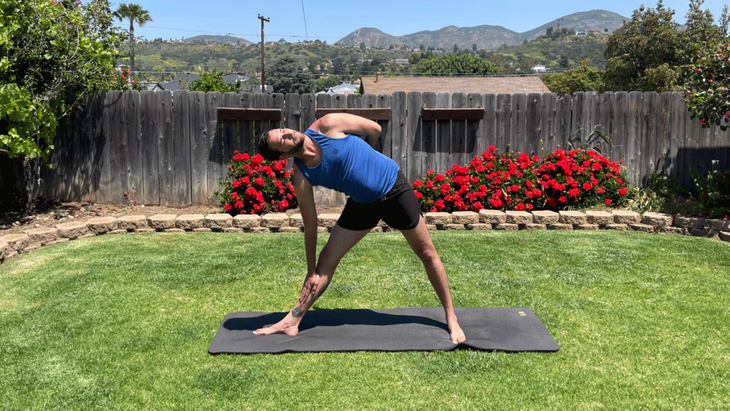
x,y
13,244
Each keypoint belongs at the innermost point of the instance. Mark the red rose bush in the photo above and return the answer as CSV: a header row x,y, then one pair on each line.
x,y
516,181
256,186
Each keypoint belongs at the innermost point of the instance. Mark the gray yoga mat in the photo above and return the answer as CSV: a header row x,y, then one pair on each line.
x,y
401,329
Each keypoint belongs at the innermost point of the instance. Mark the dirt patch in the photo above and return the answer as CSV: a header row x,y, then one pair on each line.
x,y
50,213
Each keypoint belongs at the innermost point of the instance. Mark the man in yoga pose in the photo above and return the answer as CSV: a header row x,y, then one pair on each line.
x,y
331,154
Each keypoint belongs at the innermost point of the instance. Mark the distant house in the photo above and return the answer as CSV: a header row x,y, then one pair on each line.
x,y
539,68
482,85
401,62
342,89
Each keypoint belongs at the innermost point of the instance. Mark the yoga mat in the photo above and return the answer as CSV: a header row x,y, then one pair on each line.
x,y
401,329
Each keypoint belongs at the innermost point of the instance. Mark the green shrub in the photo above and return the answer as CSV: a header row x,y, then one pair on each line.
x,y
713,192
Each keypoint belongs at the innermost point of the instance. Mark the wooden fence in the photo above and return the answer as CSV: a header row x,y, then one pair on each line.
x,y
161,148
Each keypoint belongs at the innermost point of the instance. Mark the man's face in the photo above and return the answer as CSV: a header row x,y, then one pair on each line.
x,y
287,141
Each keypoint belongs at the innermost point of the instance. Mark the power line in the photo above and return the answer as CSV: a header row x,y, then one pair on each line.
x,y
305,21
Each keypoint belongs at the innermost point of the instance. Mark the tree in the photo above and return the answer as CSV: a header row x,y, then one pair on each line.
x,y
644,54
455,64
52,56
323,83
135,14
287,76
583,78
213,81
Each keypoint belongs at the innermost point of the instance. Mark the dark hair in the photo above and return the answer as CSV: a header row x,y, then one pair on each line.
x,y
264,149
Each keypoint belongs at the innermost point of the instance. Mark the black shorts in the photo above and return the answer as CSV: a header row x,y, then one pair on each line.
x,y
399,208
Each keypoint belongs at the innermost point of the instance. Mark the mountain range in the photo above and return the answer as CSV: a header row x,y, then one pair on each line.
x,y
486,37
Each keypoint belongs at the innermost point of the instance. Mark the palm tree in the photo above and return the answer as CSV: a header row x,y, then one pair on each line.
x,y
134,13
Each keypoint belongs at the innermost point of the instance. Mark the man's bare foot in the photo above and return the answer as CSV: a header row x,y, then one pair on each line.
x,y
457,334
284,326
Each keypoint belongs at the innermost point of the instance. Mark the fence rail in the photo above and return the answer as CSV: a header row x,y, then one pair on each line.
x,y
171,149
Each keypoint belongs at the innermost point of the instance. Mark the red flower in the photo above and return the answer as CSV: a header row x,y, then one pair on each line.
x,y
608,201
622,191
259,181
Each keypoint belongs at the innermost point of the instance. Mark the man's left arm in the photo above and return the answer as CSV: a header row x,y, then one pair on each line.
x,y
338,125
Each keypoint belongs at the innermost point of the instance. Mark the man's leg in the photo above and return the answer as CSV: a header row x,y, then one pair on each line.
x,y
340,242
420,241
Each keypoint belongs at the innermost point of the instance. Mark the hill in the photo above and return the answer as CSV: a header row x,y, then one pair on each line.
x,y
208,38
486,36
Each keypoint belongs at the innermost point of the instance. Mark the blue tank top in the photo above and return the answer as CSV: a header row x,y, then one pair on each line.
x,y
349,165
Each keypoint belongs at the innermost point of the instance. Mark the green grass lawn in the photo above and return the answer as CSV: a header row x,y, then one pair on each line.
x,y
124,322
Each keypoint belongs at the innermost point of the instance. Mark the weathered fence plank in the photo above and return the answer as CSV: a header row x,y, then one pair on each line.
x,y
135,155
458,132
166,150
399,146
503,134
216,165
428,134
473,127
149,131
415,147
182,186
519,123
533,130
198,148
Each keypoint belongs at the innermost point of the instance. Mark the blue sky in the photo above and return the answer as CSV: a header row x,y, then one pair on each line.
x,y
332,20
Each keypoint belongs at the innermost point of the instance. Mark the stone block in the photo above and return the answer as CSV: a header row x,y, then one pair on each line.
x,y
717,224
232,230
626,217
296,220
132,222
327,220
190,222
519,217
438,218
32,247
479,227
560,226
174,230
675,230
704,231
4,250
72,230
464,217
218,222
453,227
58,241
545,217
162,222
617,227
290,230
320,230
275,220
42,235
247,221
259,230
506,226
102,225
688,222
16,241
145,230
12,255
573,217
535,226
202,230
657,219
377,229
587,227
492,217
86,236
724,236
116,232
644,228
599,217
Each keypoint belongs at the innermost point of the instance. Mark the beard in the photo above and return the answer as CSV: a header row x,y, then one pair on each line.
x,y
298,147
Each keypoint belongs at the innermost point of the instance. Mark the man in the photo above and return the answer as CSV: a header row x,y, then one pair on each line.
x,y
330,154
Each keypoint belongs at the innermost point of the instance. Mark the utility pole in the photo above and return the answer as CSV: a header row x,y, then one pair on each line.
x,y
263,75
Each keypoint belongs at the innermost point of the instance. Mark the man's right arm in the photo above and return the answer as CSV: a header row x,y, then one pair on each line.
x,y
305,200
